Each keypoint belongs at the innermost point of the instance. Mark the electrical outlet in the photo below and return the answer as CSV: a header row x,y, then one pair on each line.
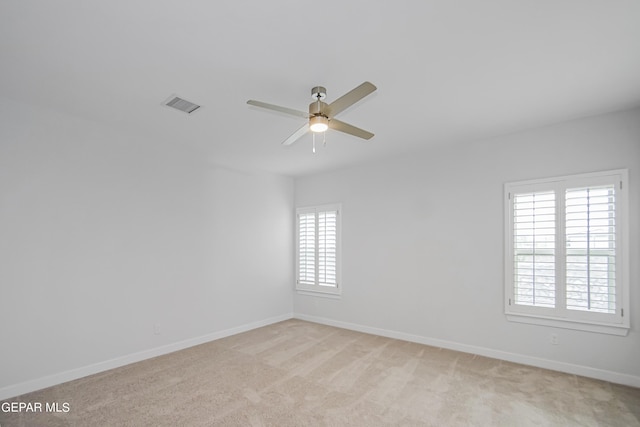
x,y
553,339
156,329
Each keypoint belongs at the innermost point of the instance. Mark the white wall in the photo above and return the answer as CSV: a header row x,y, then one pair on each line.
x,y
423,244
103,235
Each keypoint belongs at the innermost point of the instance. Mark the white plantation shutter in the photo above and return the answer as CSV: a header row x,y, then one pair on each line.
x,y
318,244
307,247
564,252
327,247
590,239
534,234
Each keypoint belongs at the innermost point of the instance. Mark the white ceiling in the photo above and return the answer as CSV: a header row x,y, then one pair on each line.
x,y
446,70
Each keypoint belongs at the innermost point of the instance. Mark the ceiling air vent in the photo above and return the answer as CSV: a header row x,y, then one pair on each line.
x,y
181,104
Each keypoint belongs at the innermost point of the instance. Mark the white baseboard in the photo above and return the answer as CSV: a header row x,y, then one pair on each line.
x,y
73,374
51,380
585,371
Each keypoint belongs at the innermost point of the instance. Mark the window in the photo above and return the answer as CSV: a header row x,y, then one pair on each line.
x,y
566,257
318,249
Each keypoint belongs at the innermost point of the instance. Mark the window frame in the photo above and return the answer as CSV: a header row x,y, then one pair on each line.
x,y
617,323
315,288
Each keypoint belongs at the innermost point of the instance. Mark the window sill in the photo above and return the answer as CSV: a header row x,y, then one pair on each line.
x,y
620,330
321,294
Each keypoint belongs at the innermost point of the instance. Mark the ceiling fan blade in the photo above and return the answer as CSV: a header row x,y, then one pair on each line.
x,y
285,110
336,124
350,98
296,135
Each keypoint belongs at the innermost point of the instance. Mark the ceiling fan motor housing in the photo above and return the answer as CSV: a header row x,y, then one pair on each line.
x,y
319,108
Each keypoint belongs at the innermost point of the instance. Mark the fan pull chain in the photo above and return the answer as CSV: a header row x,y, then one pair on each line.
x,y
314,143
324,139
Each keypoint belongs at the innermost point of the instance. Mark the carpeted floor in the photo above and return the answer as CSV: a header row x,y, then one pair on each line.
x,y
297,373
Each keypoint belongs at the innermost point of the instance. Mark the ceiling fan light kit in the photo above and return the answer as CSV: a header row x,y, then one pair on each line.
x,y
321,116
318,124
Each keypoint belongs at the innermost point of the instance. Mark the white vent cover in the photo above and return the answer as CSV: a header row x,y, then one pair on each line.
x,y
181,104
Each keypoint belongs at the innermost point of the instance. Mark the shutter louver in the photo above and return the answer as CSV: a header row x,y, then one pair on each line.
x,y
590,249
307,248
534,249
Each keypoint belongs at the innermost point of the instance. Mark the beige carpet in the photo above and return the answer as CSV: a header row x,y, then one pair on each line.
x,y
297,373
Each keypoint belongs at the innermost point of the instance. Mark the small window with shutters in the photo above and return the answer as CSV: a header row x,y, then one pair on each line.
x,y
566,252
318,249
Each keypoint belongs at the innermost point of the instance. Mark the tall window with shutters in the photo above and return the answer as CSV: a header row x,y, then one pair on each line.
x,y
318,249
566,257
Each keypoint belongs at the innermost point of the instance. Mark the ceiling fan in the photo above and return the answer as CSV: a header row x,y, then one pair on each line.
x,y
321,116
